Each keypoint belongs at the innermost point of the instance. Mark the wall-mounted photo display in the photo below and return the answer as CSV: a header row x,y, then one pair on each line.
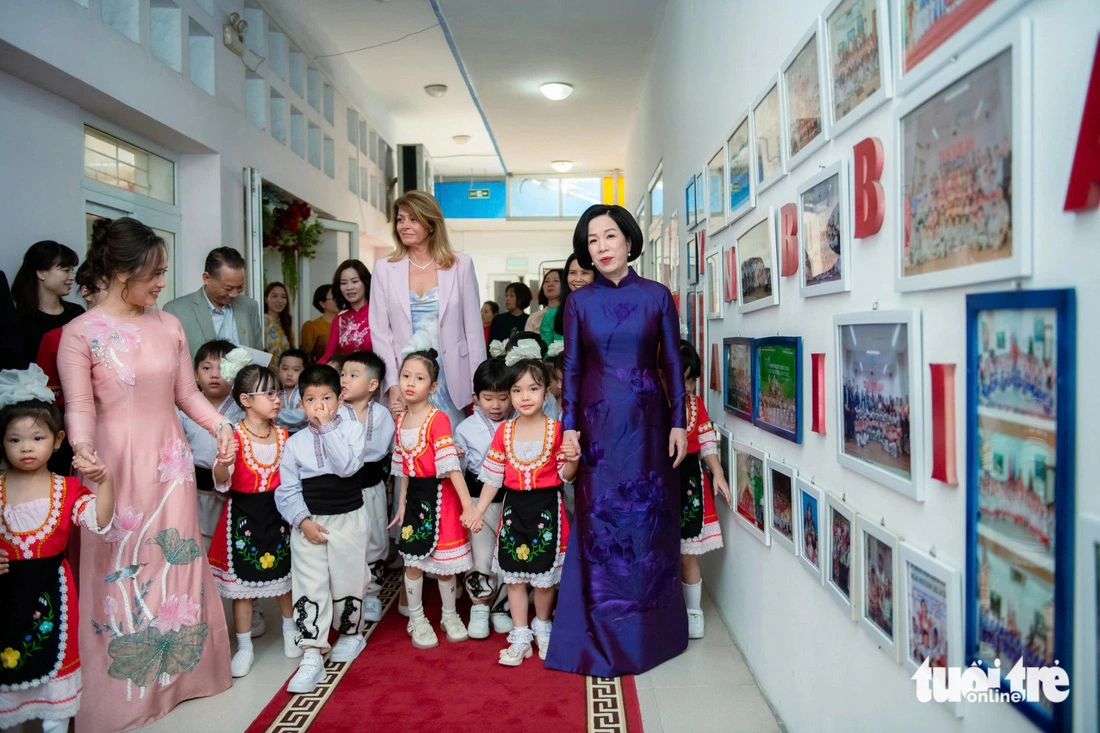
x,y
802,99
809,509
825,231
1020,401
716,304
691,261
672,247
716,191
749,484
964,168
928,35
739,157
931,612
757,263
841,553
878,587
880,425
1086,676
700,341
700,198
725,452
689,204
769,163
737,357
781,480
777,386
856,37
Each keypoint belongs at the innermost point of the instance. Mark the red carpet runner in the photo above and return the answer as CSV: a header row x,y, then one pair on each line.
x,y
394,687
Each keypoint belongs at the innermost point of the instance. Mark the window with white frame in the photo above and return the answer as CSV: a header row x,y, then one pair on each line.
x,y
128,167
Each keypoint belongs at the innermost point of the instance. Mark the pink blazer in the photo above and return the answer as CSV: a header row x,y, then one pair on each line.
x,y
461,334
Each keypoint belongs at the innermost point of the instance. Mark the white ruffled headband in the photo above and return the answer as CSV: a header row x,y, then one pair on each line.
x,y
496,348
22,385
684,330
523,350
554,349
420,341
233,362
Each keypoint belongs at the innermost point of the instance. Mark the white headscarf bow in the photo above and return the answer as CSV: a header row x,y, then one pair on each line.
x,y
21,385
524,349
233,362
420,341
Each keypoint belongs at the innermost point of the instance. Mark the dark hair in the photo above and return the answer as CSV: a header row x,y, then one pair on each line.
x,y
557,363
44,255
376,368
43,413
622,218
493,306
491,375
294,354
689,359
535,367
522,293
223,257
285,320
319,375
429,357
336,361
559,317
123,246
364,275
543,300
320,295
254,378
217,348
516,337
85,281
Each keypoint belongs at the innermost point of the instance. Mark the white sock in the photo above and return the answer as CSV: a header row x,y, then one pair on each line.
x,y
244,641
693,596
288,624
414,589
55,726
447,593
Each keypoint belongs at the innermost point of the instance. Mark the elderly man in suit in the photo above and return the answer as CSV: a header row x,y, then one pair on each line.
x,y
218,310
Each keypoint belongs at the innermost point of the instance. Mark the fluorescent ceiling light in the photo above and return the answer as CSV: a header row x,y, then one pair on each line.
x,y
460,139
556,90
562,166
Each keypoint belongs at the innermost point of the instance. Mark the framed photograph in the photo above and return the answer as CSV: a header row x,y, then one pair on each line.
x,y
931,612
725,452
1087,675
689,204
880,426
769,164
1020,410
825,231
672,246
878,589
700,342
716,304
739,157
964,168
781,480
700,198
802,98
691,261
841,553
928,35
737,357
856,37
716,191
757,263
811,542
777,386
749,484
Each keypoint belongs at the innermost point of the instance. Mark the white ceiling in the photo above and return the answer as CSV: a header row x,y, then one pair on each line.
x,y
509,48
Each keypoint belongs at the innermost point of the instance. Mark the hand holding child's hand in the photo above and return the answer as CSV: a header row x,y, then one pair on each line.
x,y
315,533
94,472
571,448
472,519
3,561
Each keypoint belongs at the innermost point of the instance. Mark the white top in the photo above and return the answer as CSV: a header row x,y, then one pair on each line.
x,y
225,323
30,515
378,429
204,446
291,415
335,449
264,453
473,437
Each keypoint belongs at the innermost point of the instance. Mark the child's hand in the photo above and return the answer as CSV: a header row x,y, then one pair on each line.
x,y
314,532
720,486
397,519
323,414
3,561
571,445
472,519
94,472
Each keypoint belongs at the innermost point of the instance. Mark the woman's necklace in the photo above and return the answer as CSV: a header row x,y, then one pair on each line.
x,y
425,266
254,435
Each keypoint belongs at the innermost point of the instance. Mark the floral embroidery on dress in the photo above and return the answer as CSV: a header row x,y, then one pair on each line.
x,y
44,623
177,465
108,338
426,528
352,332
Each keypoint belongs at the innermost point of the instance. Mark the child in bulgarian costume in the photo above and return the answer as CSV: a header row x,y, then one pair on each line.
x,y
250,552
699,529
434,506
320,496
39,654
528,460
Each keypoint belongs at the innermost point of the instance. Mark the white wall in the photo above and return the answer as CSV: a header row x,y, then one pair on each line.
x,y
490,242
712,57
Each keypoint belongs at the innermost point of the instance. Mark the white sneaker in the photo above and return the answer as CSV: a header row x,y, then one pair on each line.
x,y
347,648
259,628
290,644
696,624
311,670
422,633
518,649
452,624
403,609
242,662
502,623
479,622
372,609
542,630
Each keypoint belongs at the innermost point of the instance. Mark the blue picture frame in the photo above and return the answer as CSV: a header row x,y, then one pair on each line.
x,y
1000,406
780,389
730,405
689,204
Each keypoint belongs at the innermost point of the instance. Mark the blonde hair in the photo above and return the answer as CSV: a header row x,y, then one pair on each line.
x,y
425,209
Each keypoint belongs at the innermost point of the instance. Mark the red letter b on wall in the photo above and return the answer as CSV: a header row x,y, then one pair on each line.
x,y
870,200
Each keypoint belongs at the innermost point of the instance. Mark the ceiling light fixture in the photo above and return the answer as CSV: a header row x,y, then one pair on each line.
x,y
435,90
562,166
556,90
461,139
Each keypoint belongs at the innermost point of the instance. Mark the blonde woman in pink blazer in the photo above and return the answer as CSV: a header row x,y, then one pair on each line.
x,y
425,287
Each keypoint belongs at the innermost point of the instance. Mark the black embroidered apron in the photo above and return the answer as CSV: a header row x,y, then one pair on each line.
x,y
418,535
30,587
259,539
529,531
691,497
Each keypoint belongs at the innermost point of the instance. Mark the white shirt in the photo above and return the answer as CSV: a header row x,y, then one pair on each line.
x,y
204,446
474,436
378,431
291,415
225,324
335,449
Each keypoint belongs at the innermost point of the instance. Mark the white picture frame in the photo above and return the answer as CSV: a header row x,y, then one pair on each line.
x,y
788,477
808,497
740,490
878,585
713,299
716,187
956,84
865,345
766,179
836,177
1086,675
749,246
810,41
840,519
734,147
882,38
700,198
923,575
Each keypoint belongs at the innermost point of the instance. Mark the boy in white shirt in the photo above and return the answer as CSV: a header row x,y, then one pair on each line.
x,y
291,364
